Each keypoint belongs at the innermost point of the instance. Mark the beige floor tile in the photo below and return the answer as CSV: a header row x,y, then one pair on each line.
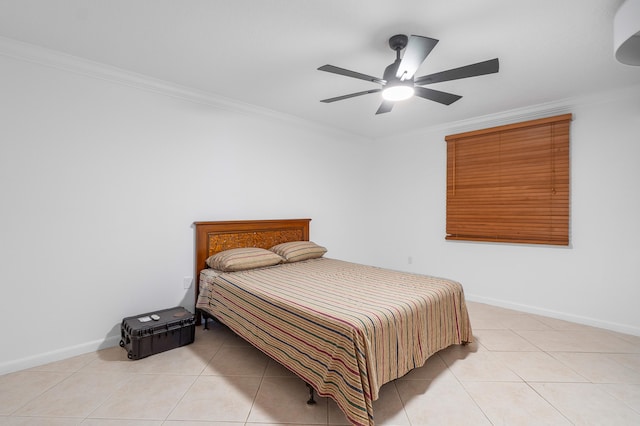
x,y
39,421
388,408
580,340
17,389
496,318
336,416
549,340
117,422
230,338
69,365
631,361
514,404
237,341
111,360
606,341
198,423
524,322
216,398
433,368
482,310
461,351
278,424
629,394
237,361
275,369
76,396
635,340
189,360
145,396
481,366
587,404
598,367
538,367
503,340
216,335
508,322
486,324
439,402
276,393
558,324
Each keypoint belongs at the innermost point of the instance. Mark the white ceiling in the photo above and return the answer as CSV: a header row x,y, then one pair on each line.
x,y
266,52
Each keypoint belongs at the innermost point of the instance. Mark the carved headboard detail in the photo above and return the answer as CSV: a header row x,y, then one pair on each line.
x,y
263,239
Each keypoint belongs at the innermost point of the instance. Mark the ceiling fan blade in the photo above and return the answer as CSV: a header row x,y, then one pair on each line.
x,y
480,68
385,106
436,95
352,95
417,50
349,73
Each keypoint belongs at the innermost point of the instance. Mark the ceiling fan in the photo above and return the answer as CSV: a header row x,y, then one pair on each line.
x,y
398,82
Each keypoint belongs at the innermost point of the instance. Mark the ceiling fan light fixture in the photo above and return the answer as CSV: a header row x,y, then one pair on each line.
x,y
398,92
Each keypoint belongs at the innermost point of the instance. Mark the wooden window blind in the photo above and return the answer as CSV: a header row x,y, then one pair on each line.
x,y
510,183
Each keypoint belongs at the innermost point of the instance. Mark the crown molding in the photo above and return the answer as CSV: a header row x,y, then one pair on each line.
x,y
85,67
66,62
532,112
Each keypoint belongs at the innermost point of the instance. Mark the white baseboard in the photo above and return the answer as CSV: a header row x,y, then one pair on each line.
x,y
620,328
57,355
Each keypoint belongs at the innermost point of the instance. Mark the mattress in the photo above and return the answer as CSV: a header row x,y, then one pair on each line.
x,y
344,328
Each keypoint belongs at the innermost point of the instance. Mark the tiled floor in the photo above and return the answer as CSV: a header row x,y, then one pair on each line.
x,y
522,370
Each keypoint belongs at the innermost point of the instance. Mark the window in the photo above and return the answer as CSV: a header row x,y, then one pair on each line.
x,y
510,183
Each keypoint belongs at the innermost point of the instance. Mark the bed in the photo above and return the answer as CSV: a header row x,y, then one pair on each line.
x,y
344,328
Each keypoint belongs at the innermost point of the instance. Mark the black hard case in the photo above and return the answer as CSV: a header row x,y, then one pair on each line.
x,y
176,327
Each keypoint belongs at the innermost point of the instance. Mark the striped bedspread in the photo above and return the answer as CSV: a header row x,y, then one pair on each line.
x,y
344,328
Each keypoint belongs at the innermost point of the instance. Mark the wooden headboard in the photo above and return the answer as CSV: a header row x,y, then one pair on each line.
x,y
214,237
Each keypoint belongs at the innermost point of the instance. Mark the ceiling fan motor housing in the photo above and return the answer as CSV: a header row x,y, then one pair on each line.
x,y
398,42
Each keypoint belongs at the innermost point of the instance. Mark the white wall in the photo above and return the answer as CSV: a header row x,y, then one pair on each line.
x,y
594,281
101,182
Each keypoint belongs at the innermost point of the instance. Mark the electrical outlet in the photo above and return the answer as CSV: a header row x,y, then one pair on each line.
x,y
186,282
409,260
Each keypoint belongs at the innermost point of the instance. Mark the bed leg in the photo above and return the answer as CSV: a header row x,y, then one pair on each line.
x,y
311,401
205,321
